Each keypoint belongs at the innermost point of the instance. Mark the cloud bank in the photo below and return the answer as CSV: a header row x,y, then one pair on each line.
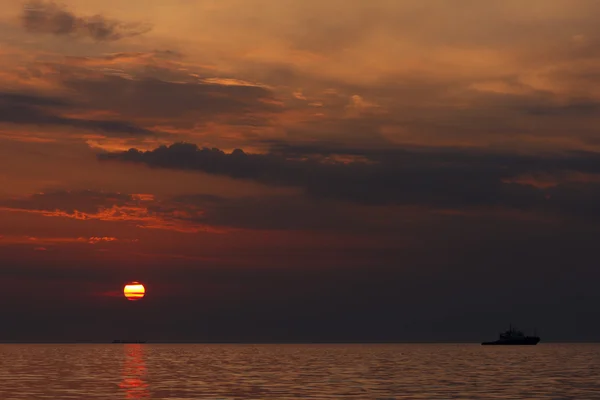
x,y
435,177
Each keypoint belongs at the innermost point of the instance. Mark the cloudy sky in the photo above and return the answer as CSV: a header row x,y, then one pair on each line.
x,y
299,170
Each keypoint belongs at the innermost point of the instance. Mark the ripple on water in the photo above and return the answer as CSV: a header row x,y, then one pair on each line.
x,y
145,371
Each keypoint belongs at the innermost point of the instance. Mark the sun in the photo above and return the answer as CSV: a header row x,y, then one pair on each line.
x,y
134,291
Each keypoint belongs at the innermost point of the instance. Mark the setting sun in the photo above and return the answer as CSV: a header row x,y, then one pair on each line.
x,y
134,291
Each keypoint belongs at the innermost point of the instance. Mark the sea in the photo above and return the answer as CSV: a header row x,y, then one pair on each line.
x,y
290,371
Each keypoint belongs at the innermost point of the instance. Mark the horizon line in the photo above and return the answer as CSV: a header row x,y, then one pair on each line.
x,y
284,342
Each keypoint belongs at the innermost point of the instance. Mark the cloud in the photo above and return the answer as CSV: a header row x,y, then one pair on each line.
x,y
434,177
140,94
402,83
139,210
31,100
577,109
425,74
17,108
124,58
39,242
158,98
41,16
134,94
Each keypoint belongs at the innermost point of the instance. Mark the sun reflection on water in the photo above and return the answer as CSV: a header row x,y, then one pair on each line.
x,y
133,380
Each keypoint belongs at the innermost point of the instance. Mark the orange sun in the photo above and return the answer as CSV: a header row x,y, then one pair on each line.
x,y
134,291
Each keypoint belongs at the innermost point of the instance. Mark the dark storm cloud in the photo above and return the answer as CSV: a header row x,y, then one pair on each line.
x,y
26,109
438,177
41,16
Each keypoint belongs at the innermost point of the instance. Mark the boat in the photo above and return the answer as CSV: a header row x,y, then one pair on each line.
x,y
127,341
514,337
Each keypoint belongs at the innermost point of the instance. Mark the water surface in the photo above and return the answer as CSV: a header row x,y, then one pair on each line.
x,y
411,371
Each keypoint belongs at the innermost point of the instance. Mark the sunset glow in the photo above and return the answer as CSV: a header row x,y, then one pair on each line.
x,y
344,170
134,291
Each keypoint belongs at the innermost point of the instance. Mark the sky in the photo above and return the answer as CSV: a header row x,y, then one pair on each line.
x,y
299,170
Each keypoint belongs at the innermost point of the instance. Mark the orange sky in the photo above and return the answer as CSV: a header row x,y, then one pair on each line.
x,y
370,130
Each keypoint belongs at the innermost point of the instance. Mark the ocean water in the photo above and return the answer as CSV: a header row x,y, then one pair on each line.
x,y
411,371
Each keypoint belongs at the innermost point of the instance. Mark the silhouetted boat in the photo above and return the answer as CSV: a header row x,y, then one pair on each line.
x,y
128,341
514,337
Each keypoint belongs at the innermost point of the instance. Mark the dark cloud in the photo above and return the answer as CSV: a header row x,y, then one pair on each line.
x,y
436,177
23,99
26,109
41,16
146,89
156,98
576,109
